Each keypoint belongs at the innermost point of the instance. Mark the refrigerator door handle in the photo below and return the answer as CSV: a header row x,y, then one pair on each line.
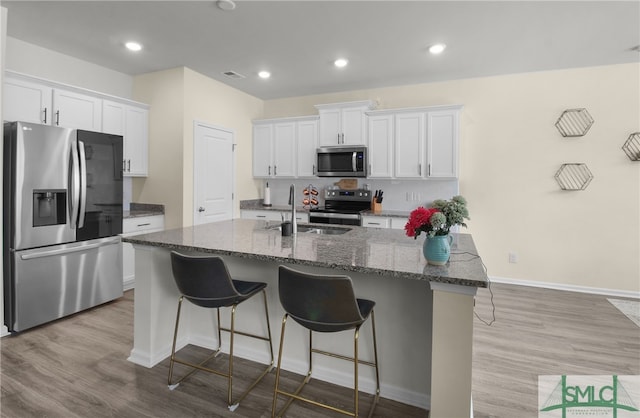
x,y
62,251
74,193
83,184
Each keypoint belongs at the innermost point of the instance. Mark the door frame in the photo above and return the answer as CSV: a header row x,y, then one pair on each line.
x,y
194,208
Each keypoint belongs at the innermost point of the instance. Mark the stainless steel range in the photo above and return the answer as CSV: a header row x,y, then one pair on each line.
x,y
342,207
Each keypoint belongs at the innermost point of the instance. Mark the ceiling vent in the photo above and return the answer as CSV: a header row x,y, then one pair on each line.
x,y
233,74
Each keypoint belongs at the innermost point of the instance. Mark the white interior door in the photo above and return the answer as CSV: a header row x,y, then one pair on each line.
x,y
213,173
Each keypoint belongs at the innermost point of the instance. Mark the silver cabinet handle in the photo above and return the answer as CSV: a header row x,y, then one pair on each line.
x,y
129,166
338,138
124,165
147,224
200,209
275,170
420,169
45,116
261,216
373,223
58,118
314,169
269,170
429,169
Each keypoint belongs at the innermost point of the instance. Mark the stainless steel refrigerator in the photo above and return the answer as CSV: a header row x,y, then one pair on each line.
x,y
62,214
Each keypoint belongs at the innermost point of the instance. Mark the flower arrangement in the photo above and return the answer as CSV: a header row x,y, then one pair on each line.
x,y
437,219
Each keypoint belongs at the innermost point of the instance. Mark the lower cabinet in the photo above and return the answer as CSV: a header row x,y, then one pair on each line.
x,y
130,227
383,222
272,215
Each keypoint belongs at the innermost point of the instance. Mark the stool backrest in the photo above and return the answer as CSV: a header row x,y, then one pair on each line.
x,y
324,303
203,280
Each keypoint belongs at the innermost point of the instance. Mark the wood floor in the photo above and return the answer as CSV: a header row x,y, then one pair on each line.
x,y
77,367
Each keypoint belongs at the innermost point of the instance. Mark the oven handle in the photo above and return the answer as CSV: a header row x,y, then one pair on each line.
x,y
334,215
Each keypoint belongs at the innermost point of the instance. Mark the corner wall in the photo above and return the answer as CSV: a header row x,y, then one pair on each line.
x,y
509,153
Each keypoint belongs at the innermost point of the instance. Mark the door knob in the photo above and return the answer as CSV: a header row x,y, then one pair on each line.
x,y
200,209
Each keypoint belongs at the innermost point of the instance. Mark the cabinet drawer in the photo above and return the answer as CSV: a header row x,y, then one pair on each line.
x,y
131,226
261,215
376,221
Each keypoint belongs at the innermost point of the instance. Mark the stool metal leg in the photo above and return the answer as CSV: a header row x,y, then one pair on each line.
x,y
375,359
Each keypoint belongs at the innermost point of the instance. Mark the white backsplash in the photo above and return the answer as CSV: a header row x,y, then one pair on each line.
x,y
399,195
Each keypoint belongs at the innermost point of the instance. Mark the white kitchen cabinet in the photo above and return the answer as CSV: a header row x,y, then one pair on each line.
x,y
307,145
343,123
442,142
76,110
273,215
134,226
410,144
424,142
376,221
132,122
285,147
380,146
26,101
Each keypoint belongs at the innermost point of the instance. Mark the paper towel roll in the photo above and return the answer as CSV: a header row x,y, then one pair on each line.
x,y
267,196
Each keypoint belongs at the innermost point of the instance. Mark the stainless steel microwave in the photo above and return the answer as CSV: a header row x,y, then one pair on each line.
x,y
341,161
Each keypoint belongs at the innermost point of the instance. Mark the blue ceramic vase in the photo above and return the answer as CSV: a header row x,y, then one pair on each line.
x,y
437,249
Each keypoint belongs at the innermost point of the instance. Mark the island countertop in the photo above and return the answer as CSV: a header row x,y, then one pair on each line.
x,y
387,252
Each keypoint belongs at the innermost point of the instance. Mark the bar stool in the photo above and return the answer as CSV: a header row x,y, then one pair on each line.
x,y
205,282
324,304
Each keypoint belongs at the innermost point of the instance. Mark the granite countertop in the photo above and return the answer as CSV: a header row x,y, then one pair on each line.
x,y
387,252
137,210
256,204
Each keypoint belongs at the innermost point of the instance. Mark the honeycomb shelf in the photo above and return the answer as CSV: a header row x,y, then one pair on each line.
x,y
573,176
574,122
632,147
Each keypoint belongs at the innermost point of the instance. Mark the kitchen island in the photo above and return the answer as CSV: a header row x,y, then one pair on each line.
x,y
424,314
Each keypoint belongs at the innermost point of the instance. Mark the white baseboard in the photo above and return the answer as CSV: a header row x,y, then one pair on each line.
x,y
568,287
4,331
129,283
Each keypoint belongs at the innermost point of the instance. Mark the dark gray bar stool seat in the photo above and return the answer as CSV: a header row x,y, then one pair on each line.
x,y
324,303
206,282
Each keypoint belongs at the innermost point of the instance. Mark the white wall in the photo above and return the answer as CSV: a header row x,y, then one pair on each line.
x,y
510,151
34,60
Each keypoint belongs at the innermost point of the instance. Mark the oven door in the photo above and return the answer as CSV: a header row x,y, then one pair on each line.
x,y
335,218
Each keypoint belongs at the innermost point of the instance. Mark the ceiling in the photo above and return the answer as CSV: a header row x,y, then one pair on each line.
x,y
385,42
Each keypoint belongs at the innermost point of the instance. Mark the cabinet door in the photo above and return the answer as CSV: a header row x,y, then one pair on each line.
x,y
330,128
262,137
353,126
136,141
77,111
26,102
442,140
113,118
380,146
284,150
307,144
410,139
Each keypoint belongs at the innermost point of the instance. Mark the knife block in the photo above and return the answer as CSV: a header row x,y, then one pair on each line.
x,y
376,207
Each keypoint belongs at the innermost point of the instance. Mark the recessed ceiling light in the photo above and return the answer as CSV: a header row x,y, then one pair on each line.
x,y
226,4
133,46
341,62
264,74
437,48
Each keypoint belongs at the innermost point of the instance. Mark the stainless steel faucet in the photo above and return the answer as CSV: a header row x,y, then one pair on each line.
x,y
292,202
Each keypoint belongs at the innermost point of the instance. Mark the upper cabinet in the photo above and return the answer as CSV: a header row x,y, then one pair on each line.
x,y
26,101
33,100
343,123
76,111
132,123
424,142
285,147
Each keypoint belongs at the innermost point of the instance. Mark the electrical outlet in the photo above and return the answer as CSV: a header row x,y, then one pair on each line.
x,y
513,257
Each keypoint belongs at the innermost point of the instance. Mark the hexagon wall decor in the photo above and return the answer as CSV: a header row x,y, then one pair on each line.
x,y
573,176
632,147
574,122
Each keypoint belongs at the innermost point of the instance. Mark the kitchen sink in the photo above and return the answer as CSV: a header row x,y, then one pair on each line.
x,y
317,229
